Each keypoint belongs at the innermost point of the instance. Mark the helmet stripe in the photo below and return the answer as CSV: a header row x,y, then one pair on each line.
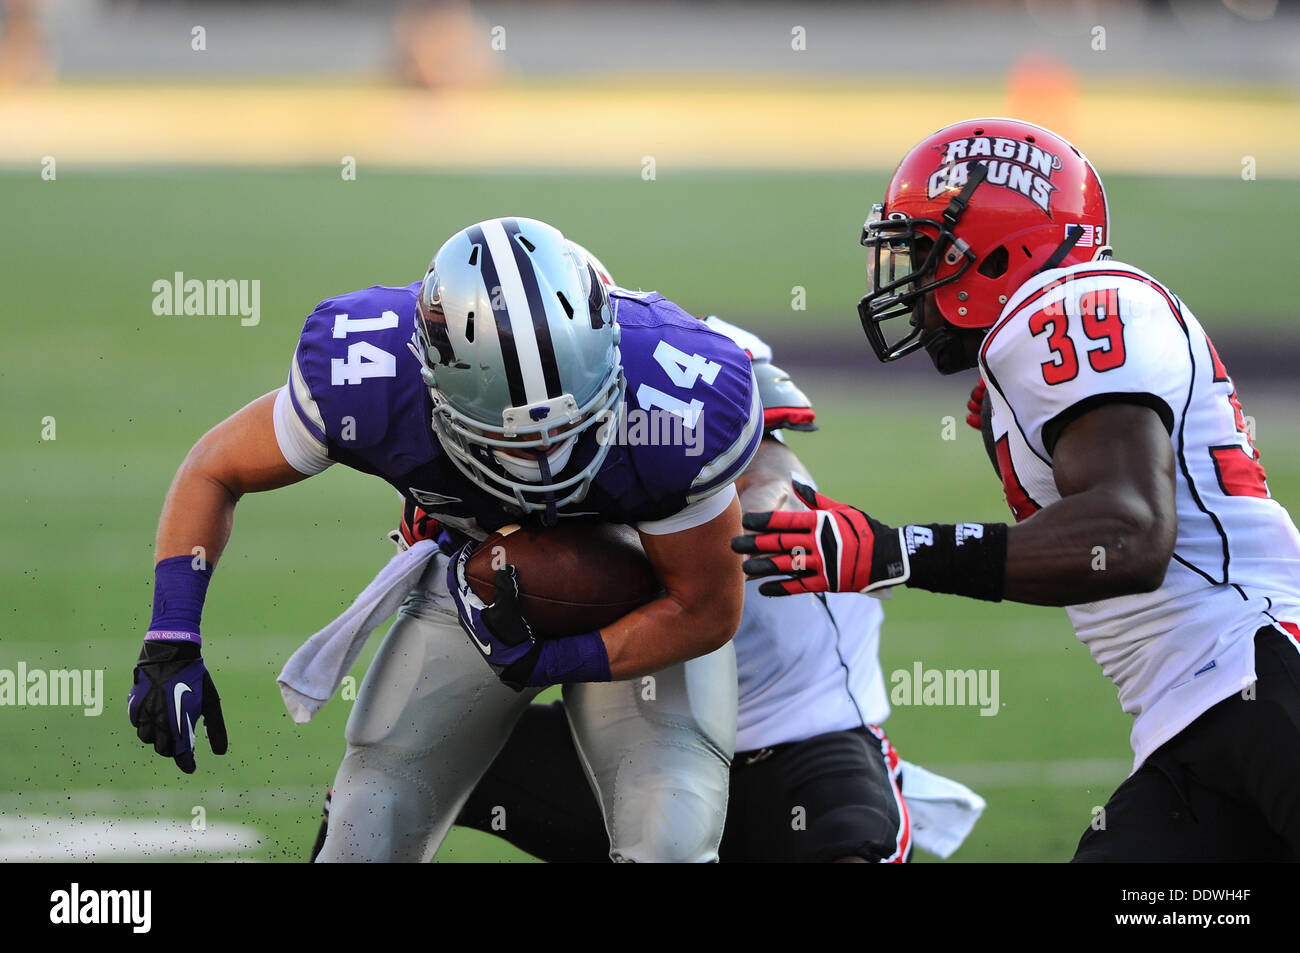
x,y
515,298
505,333
541,327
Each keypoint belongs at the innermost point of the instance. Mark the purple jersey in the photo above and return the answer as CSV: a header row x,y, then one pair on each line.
x,y
689,425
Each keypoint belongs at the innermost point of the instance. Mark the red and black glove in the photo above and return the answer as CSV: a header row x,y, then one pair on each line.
x,y
831,547
416,523
976,406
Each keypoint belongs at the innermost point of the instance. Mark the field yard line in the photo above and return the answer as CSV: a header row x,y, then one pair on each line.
x,y
33,837
116,801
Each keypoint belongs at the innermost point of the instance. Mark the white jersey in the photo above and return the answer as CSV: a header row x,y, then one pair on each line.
x,y
1067,340
807,664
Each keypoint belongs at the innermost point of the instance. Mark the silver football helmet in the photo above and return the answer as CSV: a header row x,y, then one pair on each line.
x,y
519,348
601,271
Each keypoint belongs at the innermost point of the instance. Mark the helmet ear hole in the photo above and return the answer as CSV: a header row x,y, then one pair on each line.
x,y
995,263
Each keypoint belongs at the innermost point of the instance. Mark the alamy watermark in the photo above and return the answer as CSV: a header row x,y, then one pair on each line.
x,y
948,687
78,906
59,687
652,428
216,297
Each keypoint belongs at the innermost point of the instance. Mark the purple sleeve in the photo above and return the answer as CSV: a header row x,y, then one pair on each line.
x,y
356,385
693,389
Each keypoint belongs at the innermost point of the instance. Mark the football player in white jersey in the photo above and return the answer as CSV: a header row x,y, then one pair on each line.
x,y
1139,498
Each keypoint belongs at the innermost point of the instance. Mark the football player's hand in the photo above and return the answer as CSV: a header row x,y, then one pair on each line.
x,y
172,691
975,406
499,631
830,547
415,526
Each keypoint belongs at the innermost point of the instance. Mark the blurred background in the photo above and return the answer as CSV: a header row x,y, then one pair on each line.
x,y
725,154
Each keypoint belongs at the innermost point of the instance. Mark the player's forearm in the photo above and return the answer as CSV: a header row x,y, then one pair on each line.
x,y
1089,546
192,533
765,484
665,631
240,455
763,493
704,592
197,515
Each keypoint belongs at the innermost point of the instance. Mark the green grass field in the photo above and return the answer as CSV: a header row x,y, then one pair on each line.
x,y
129,393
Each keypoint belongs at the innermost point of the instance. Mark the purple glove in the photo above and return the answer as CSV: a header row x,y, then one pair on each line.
x,y
172,691
499,631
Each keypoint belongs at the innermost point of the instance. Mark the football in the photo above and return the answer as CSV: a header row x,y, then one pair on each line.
x,y
574,577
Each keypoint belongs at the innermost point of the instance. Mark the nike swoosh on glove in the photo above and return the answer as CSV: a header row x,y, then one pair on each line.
x,y
499,631
172,691
830,547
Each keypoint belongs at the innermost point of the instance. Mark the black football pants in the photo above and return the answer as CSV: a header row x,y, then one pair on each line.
x,y
1224,789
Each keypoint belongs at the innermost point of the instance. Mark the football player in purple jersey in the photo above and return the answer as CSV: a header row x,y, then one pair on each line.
x,y
814,777
479,393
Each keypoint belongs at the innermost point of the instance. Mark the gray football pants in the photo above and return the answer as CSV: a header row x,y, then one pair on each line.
x,y
431,716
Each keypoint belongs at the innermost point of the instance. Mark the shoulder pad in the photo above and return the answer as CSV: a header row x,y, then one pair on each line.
x,y
750,343
784,404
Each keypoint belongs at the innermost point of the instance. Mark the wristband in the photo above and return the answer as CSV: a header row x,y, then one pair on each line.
x,y
178,593
969,559
577,658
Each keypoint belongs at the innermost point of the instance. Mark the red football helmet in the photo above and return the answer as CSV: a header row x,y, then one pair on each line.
x,y
971,213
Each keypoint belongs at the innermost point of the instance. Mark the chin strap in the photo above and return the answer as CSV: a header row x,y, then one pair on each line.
x,y
957,205
426,372
550,518
959,247
1062,250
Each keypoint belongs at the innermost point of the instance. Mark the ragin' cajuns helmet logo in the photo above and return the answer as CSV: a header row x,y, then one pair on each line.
x,y
1012,164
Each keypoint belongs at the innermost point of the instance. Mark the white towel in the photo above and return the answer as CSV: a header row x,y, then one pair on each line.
x,y
314,672
943,811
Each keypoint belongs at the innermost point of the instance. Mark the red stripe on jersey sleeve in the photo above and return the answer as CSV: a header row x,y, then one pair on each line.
x,y
1220,372
1022,507
1292,630
1239,473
